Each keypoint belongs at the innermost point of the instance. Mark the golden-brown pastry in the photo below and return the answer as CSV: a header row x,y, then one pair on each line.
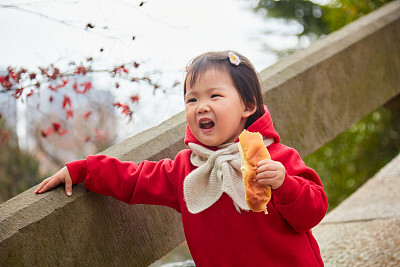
x,y
252,150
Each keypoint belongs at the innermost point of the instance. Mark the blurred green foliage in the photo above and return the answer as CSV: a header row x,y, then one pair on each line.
x,y
316,20
18,169
347,161
338,13
319,19
307,13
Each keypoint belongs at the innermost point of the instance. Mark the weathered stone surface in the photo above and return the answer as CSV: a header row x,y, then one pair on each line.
x,y
364,230
365,243
92,230
313,95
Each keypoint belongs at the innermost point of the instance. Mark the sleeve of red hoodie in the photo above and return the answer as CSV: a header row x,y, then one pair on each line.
x,y
146,183
301,199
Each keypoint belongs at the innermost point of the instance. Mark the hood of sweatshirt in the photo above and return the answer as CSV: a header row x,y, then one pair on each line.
x,y
263,125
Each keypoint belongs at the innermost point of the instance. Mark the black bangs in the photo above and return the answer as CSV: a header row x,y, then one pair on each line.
x,y
203,63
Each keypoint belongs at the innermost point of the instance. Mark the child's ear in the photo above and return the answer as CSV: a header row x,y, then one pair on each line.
x,y
248,111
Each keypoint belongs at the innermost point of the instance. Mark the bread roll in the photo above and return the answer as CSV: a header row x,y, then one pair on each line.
x,y
252,150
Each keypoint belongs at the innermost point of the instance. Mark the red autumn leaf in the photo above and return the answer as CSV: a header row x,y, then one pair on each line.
x,y
120,69
75,86
56,126
11,73
87,86
117,85
86,116
51,98
70,113
136,64
81,70
30,93
18,93
44,71
17,77
48,131
66,102
54,75
4,81
32,75
125,109
62,84
135,98
62,132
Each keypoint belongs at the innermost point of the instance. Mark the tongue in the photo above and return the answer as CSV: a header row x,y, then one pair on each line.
x,y
207,125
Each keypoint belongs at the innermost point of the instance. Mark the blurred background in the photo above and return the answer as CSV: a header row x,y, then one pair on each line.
x,y
79,76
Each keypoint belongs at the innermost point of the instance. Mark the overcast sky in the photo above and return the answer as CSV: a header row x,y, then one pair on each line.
x,y
167,35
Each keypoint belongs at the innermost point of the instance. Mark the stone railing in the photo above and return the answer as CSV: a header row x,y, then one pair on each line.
x,y
313,95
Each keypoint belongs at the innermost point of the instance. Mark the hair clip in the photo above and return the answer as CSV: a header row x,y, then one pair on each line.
x,y
233,58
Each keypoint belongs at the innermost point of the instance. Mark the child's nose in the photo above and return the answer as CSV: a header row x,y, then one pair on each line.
x,y
203,108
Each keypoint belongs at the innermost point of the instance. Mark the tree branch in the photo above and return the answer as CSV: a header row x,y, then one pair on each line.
x,y
32,12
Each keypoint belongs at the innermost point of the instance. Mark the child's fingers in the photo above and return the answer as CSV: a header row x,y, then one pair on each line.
x,y
266,174
274,183
41,185
264,162
62,176
52,182
269,167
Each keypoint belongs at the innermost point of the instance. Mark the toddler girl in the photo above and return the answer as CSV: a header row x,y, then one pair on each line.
x,y
222,97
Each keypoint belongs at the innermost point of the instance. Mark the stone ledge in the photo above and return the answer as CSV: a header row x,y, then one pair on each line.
x,y
363,243
364,230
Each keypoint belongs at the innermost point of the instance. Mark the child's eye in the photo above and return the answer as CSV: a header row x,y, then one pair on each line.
x,y
191,100
213,96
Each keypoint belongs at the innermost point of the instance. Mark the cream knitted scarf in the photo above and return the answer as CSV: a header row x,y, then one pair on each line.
x,y
217,172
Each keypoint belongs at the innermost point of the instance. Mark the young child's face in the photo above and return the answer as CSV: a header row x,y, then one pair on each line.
x,y
214,109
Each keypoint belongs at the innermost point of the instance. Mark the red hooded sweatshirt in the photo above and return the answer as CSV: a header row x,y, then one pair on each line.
x,y
220,235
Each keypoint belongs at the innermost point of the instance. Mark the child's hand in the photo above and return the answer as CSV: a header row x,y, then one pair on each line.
x,y
270,172
62,176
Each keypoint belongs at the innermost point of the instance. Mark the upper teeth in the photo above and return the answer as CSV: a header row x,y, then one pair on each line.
x,y
205,122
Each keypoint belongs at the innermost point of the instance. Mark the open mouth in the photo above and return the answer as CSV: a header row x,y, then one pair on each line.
x,y
206,124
